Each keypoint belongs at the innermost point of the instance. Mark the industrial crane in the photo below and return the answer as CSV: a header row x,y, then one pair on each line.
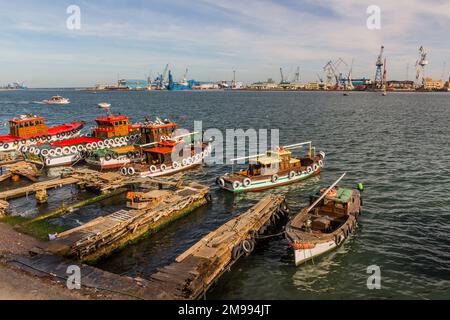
x,y
379,73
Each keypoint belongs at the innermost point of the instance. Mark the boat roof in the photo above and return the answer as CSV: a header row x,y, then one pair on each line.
x,y
111,118
160,150
265,160
25,118
159,125
279,152
74,141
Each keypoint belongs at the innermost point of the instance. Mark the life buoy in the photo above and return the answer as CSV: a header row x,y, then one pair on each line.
x,y
321,163
309,170
221,182
153,169
163,167
236,185
131,171
247,182
274,178
175,165
124,171
291,174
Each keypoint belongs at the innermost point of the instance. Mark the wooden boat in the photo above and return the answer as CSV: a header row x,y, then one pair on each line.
x,y
325,224
29,130
275,168
111,130
56,100
158,157
116,157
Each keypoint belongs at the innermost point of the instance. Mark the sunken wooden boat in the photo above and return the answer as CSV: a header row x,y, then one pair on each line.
x,y
330,219
273,169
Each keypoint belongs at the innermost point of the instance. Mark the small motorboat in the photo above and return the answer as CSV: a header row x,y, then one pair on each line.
x,y
104,105
56,100
324,225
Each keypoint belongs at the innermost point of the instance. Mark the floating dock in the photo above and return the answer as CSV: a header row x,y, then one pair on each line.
x,y
101,236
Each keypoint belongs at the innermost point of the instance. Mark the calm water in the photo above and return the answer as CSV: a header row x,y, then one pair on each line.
x,y
398,146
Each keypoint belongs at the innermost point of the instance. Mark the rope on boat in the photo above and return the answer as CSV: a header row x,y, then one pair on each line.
x,y
272,235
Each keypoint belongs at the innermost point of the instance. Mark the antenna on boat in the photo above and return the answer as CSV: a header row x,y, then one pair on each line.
x,y
326,192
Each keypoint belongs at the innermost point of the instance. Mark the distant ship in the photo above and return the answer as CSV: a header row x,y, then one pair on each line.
x,y
182,85
13,86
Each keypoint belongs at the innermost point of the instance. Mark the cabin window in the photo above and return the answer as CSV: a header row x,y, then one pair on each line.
x,y
36,123
116,123
21,125
26,124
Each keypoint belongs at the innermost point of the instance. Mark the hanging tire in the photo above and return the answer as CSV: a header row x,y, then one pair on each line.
x,y
184,162
236,185
130,155
291,175
321,163
100,144
66,151
44,152
52,152
221,182
74,149
37,151
153,169
175,165
248,246
5,146
315,167
274,178
163,167
80,148
236,252
131,171
117,140
309,170
190,161
124,171
108,157
247,182
115,156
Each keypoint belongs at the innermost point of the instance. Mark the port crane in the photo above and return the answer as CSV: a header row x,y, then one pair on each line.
x,y
297,76
379,72
420,66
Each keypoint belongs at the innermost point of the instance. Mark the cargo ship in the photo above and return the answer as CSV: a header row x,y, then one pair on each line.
x,y
182,85
111,131
29,130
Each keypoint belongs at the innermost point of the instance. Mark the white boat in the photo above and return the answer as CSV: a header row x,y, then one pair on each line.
x,y
56,100
104,105
330,220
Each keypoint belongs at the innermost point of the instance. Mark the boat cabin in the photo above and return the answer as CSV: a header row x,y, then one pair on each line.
x,y
273,162
111,126
339,202
27,125
161,153
154,132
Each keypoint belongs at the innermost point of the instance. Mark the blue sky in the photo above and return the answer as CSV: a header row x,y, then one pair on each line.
x,y
212,38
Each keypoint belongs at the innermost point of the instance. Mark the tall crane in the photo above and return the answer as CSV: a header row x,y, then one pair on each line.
x,y
379,73
282,75
420,66
330,72
297,75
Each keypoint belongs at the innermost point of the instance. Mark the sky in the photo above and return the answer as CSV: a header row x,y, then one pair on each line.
x,y
135,39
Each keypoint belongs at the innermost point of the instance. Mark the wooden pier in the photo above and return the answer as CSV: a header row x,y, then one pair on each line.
x,y
193,272
102,236
21,168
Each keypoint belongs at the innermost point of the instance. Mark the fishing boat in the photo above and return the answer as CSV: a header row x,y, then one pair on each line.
x,y
56,100
116,157
104,105
323,226
274,168
29,130
162,158
111,131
